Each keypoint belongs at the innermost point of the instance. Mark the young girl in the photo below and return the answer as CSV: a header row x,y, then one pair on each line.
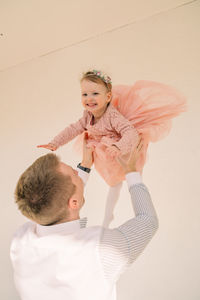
x,y
114,118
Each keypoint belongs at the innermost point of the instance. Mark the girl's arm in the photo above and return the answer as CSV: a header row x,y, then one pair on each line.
x,y
129,135
68,134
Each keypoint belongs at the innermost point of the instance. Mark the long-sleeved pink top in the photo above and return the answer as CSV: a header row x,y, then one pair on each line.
x,y
111,129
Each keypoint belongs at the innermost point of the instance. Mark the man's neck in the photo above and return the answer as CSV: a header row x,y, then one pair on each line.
x,y
60,221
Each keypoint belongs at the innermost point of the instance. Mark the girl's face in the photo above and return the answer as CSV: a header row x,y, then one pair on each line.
x,y
95,97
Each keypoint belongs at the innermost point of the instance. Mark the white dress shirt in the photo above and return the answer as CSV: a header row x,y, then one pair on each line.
x,y
74,262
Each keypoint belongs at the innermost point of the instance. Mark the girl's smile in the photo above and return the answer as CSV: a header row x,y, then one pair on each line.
x,y
94,97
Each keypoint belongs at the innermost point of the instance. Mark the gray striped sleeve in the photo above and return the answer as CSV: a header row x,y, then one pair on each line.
x,y
119,247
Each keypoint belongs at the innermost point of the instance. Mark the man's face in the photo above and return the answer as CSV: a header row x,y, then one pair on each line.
x,y
77,181
57,215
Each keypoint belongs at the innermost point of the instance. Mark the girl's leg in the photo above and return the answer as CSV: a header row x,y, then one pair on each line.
x,y
113,196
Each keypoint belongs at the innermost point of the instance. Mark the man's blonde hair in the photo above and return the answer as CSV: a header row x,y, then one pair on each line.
x,y
42,192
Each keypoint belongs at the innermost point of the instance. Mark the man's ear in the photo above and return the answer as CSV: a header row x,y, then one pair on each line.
x,y
73,203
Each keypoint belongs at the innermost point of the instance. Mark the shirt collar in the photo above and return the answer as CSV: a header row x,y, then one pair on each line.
x,y
66,228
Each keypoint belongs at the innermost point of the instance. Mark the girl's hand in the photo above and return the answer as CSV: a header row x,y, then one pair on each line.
x,y
48,146
113,151
130,166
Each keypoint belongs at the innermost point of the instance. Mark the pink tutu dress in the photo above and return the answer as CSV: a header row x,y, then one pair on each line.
x,y
149,107
145,108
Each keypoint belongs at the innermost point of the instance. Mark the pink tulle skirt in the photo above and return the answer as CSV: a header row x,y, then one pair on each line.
x,y
150,107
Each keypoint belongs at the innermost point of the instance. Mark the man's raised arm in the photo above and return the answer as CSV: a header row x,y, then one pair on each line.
x,y
84,167
120,246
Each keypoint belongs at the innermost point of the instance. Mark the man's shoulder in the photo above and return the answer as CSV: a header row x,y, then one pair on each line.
x,y
23,229
91,232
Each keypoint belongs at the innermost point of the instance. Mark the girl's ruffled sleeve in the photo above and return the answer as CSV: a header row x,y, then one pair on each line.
x,y
129,135
71,131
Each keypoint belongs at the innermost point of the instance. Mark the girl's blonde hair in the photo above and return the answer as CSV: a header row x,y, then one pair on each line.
x,y
94,77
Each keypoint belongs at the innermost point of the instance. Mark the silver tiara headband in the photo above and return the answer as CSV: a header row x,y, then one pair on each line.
x,y
101,75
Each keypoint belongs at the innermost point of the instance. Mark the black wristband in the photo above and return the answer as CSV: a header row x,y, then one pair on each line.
x,y
83,168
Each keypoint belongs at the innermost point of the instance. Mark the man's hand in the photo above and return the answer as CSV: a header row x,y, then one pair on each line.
x,y
88,159
130,165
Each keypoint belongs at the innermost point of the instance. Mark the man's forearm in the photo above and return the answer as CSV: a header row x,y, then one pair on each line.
x,y
141,199
140,229
119,247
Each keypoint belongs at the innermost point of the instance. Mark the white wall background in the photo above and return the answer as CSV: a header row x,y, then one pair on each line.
x,y
44,47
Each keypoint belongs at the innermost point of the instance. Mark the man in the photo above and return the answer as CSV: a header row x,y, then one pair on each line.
x,y
55,256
